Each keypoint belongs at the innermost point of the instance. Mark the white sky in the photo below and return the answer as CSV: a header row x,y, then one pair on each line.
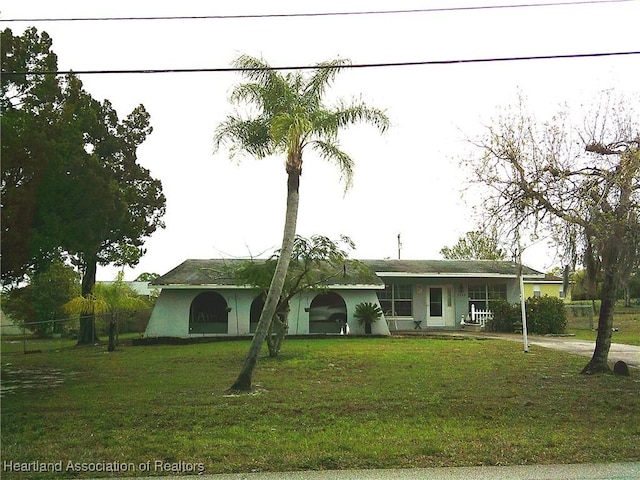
x,y
406,182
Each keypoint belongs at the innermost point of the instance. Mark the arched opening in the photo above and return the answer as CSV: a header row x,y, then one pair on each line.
x,y
328,314
209,314
254,315
256,309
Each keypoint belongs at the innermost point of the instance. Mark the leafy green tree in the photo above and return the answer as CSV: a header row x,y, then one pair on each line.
x,y
475,245
315,263
29,105
588,199
73,188
147,277
289,116
40,303
124,212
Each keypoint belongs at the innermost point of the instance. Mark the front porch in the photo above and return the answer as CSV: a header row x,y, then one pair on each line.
x,y
477,320
474,322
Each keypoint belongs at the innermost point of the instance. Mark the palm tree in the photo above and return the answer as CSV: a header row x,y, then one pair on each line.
x,y
289,115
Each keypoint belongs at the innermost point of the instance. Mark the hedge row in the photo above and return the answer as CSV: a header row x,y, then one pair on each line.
x,y
544,315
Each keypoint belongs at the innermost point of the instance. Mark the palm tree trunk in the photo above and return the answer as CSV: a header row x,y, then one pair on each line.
x,y
243,382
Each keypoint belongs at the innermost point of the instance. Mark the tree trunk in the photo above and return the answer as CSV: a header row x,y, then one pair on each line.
x,y
87,334
627,295
614,253
598,362
243,382
281,322
112,333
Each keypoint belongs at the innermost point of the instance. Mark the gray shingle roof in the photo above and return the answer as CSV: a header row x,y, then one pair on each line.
x,y
217,271
220,271
464,268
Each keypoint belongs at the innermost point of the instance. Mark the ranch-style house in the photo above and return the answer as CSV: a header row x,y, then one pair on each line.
x,y
200,298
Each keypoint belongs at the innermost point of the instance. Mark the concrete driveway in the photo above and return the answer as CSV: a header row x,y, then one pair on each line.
x,y
630,354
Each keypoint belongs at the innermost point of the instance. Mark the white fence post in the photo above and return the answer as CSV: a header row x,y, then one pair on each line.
x,y
480,316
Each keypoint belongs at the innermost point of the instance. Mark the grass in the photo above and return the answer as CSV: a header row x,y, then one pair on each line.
x,y
324,404
625,319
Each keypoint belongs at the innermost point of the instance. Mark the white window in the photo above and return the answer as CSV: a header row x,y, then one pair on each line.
x,y
397,300
481,295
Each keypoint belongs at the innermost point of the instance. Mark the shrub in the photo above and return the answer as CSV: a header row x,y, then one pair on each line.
x,y
505,317
367,313
546,315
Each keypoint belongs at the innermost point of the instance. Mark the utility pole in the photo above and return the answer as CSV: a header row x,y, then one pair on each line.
x,y
523,308
399,246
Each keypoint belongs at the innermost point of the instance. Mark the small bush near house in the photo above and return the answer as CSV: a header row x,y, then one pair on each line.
x,y
505,317
367,313
546,315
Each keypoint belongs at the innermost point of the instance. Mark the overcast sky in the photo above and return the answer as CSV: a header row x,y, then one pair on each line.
x,y
406,182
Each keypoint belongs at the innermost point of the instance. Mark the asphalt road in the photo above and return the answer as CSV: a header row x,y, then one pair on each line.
x,y
610,471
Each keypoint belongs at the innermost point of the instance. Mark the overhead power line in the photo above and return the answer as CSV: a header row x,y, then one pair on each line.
x,y
317,14
314,67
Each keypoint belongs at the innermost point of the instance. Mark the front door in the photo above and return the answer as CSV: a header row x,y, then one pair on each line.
x,y
439,306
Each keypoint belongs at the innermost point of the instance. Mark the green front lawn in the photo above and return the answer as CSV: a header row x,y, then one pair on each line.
x,y
325,404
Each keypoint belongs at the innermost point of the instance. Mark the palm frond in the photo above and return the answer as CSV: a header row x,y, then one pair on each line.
x,y
325,123
256,69
346,115
330,150
289,114
251,136
269,89
322,78
247,93
290,129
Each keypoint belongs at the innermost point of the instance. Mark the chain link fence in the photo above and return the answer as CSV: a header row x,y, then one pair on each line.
x,y
580,316
61,333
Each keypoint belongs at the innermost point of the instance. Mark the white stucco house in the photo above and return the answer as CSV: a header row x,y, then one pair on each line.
x,y
199,298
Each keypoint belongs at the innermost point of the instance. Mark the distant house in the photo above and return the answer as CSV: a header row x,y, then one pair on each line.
x,y
200,298
550,285
143,289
